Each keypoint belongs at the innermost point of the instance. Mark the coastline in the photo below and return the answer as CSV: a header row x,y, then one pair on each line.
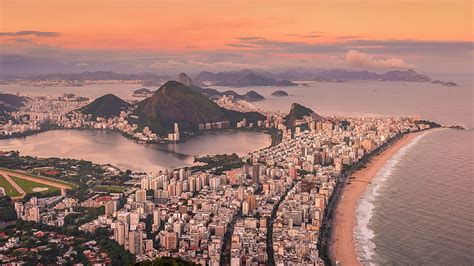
x,y
343,250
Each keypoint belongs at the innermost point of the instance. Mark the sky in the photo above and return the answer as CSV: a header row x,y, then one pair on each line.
x,y
43,36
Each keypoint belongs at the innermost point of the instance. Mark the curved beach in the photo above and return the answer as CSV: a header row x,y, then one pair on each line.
x,y
343,250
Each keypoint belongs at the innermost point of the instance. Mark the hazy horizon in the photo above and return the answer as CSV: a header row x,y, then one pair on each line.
x,y
168,37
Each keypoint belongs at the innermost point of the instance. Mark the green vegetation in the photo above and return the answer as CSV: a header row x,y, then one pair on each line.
x,y
82,176
166,261
175,102
298,112
9,189
116,253
429,123
83,215
40,177
219,163
7,211
29,186
106,106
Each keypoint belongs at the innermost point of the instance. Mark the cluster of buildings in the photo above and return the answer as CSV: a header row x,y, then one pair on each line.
x,y
230,103
41,110
271,208
119,123
321,153
50,210
72,82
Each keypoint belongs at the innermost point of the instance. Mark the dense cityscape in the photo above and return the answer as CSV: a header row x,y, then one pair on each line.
x,y
268,209
236,133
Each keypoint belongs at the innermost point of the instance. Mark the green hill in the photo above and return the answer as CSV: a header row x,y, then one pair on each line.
x,y
298,112
106,106
175,102
11,102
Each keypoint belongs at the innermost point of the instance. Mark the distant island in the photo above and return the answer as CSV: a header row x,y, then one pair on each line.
x,y
447,84
143,92
279,93
250,96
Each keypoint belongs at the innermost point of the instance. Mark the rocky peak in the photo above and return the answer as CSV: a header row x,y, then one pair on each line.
x,y
185,79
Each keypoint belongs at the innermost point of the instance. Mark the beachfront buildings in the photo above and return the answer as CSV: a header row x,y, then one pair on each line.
x,y
271,208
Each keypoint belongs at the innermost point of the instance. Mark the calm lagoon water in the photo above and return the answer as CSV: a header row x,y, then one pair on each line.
x,y
111,147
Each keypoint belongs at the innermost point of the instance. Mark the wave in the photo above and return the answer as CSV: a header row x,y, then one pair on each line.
x,y
363,234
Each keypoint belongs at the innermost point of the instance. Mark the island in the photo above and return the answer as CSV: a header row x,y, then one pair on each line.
x,y
279,93
142,92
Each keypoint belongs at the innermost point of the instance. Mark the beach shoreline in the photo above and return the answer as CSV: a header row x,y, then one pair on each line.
x,y
343,249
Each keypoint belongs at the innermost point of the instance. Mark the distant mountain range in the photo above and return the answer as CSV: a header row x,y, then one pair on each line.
x,y
175,102
98,75
394,75
106,106
242,78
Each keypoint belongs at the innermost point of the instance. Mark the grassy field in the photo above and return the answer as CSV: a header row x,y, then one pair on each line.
x,y
28,185
43,177
9,189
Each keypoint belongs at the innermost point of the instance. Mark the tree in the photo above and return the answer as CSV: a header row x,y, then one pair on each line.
x,y
7,210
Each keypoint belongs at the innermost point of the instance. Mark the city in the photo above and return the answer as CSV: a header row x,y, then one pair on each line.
x,y
270,210
236,133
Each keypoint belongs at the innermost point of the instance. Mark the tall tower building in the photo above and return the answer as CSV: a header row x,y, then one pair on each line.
x,y
140,195
156,219
176,132
256,172
110,207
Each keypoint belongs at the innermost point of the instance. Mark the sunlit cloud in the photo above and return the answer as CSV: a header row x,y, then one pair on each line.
x,y
356,59
31,33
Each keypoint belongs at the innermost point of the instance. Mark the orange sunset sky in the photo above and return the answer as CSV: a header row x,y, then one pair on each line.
x,y
146,34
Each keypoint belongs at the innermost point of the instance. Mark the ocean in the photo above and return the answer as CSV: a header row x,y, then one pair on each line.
x,y
419,209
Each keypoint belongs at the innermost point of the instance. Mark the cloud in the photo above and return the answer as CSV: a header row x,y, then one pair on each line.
x,y
24,57
82,64
31,33
239,45
22,40
312,36
251,38
358,59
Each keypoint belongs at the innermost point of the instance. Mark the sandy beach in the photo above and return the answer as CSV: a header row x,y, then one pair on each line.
x,y
343,249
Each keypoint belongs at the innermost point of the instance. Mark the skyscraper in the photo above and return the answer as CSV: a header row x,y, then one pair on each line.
x,y
140,195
